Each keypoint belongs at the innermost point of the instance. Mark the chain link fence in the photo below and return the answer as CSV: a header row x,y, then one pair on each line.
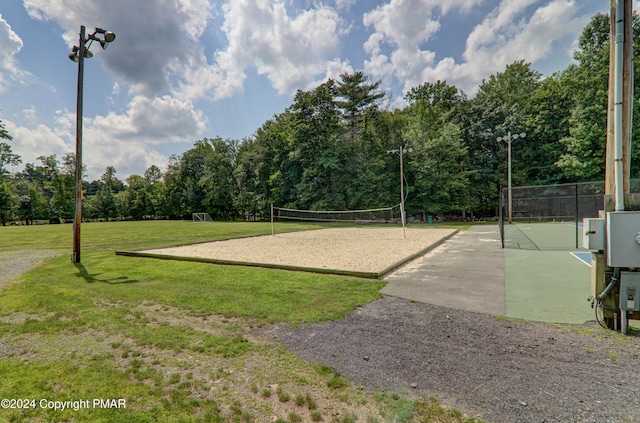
x,y
568,203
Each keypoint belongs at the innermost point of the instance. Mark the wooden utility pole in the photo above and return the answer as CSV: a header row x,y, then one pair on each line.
x,y
627,88
619,126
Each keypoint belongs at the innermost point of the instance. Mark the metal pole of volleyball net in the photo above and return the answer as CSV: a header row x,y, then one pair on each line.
x,y
402,212
401,150
272,231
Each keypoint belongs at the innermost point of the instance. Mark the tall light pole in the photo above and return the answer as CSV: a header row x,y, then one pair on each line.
x,y
78,54
400,151
508,138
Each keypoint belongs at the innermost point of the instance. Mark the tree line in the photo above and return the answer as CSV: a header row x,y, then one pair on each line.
x,y
330,150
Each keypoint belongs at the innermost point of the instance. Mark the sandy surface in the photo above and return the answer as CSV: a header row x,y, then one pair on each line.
x,y
351,249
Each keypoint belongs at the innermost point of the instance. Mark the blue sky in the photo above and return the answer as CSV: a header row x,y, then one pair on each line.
x,y
182,70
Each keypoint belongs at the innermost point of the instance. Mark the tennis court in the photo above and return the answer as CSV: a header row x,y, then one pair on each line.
x,y
543,236
540,277
546,277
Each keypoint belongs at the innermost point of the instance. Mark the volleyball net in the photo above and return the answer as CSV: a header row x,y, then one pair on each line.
x,y
380,215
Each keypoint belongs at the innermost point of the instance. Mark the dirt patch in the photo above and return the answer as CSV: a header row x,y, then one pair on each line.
x,y
267,381
503,371
349,249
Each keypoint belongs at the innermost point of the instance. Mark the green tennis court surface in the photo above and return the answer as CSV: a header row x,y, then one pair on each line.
x,y
472,272
542,236
546,277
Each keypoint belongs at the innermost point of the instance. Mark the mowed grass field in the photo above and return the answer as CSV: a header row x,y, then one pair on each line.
x,y
174,341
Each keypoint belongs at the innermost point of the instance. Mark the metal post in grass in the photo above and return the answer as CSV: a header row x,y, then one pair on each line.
x,y
401,150
78,54
272,231
508,138
577,216
501,216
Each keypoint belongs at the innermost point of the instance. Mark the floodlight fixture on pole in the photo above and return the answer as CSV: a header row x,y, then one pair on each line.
x,y
400,151
508,138
78,54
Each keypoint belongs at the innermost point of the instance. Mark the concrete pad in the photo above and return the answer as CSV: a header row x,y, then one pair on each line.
x,y
466,272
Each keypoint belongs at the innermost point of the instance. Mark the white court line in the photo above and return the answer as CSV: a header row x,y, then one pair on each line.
x,y
577,255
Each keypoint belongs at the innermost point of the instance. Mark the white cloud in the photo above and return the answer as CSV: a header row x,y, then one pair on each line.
x,y
10,45
505,35
151,36
291,51
159,120
335,68
30,114
126,141
344,4
404,25
39,140
164,51
155,41
129,141
127,157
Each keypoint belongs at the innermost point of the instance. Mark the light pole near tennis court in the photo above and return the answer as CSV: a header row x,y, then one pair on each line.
x,y
400,151
78,54
508,138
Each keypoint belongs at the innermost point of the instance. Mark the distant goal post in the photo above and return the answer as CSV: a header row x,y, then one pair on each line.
x,y
201,217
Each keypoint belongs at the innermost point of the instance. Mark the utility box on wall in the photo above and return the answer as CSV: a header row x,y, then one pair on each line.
x,y
630,291
593,234
623,239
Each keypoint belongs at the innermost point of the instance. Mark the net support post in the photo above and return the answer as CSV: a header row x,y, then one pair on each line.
x,y
577,215
402,215
501,216
272,230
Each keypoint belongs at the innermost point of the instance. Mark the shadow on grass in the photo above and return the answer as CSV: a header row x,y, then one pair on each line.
x,y
93,278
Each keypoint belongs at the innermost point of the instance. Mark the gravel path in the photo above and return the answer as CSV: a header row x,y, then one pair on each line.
x,y
15,263
502,371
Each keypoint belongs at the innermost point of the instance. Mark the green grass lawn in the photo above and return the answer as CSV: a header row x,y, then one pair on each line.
x,y
177,341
